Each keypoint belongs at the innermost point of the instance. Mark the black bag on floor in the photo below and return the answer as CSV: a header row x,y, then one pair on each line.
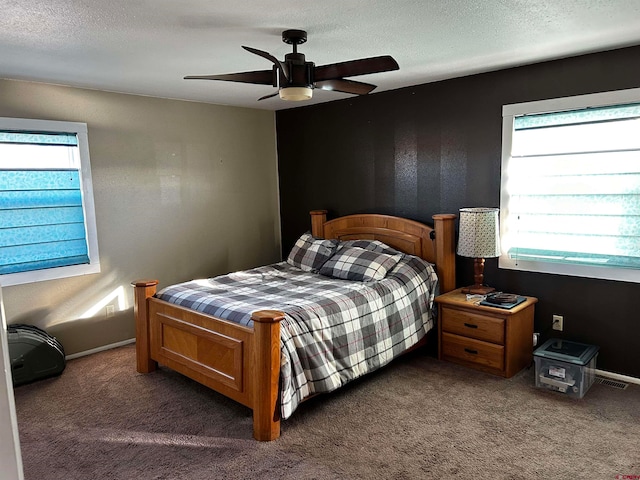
x,y
34,354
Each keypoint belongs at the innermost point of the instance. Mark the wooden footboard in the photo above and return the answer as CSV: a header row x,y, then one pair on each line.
x,y
244,363
241,363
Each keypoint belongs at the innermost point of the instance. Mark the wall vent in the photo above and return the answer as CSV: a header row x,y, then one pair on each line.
x,y
611,383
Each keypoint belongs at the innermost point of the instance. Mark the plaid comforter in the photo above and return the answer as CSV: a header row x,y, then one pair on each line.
x,y
334,330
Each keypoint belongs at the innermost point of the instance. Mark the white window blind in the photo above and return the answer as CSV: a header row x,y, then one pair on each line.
x,y
47,225
570,200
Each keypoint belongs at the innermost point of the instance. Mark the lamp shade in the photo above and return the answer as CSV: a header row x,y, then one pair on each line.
x,y
296,93
479,234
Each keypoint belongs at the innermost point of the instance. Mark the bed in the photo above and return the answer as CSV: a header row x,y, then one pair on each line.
x,y
244,362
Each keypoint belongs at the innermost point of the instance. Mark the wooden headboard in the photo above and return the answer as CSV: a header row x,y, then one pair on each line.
x,y
434,244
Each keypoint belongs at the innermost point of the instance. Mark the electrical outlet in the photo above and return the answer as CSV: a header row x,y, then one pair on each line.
x,y
110,311
558,322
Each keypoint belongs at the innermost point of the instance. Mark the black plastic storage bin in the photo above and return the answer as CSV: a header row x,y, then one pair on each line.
x,y
34,354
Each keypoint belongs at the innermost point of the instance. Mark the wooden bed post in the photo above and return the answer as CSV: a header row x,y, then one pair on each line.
x,y
318,219
266,417
143,290
444,226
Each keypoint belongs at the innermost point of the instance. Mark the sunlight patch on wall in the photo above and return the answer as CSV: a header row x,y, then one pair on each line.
x,y
117,298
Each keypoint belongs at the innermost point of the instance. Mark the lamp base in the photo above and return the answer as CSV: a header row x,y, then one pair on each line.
x,y
478,289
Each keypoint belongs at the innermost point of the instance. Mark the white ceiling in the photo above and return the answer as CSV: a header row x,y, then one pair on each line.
x,y
146,46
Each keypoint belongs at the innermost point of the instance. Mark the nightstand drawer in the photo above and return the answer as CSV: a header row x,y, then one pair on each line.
x,y
470,350
473,325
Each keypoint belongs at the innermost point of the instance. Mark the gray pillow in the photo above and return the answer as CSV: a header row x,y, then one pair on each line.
x,y
358,264
310,253
373,245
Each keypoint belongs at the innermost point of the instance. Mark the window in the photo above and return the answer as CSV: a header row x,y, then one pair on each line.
x,y
570,190
47,220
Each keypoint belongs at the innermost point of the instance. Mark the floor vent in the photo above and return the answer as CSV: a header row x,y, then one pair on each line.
x,y
611,383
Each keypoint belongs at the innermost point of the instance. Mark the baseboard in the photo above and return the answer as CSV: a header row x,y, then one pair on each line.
x,y
602,373
617,376
100,349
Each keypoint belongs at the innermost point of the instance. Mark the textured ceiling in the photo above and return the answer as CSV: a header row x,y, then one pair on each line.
x,y
146,46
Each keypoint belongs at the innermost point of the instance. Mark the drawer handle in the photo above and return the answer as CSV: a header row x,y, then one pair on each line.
x,y
470,325
468,350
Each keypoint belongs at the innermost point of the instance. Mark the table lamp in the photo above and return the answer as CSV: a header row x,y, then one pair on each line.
x,y
479,238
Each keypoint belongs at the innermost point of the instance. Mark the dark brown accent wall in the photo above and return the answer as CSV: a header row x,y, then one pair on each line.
x,y
435,148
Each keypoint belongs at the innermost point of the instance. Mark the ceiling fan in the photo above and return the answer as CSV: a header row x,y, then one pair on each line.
x,y
296,78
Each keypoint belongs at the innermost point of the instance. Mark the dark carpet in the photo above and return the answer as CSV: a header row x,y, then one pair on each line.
x,y
418,418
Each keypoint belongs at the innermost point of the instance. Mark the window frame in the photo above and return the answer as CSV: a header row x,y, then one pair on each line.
x,y
509,112
80,130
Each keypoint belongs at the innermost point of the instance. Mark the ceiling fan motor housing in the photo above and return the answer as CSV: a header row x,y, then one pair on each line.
x,y
300,71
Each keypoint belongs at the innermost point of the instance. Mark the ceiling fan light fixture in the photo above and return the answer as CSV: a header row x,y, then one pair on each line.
x,y
296,93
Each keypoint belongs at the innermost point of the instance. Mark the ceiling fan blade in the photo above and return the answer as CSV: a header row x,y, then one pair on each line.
x,y
345,86
261,77
269,96
282,66
352,68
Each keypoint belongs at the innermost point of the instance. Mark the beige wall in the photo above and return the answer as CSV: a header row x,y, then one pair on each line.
x,y
182,190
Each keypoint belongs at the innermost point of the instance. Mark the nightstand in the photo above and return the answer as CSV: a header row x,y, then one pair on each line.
x,y
491,339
